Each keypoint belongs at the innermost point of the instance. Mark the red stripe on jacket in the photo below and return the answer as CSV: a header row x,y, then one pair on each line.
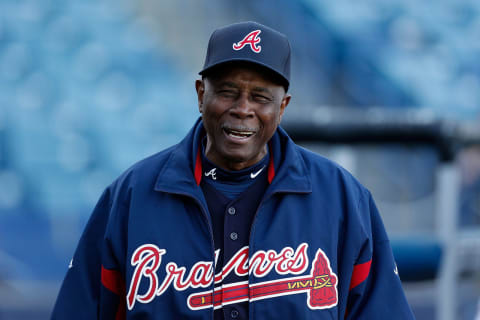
x,y
113,281
360,273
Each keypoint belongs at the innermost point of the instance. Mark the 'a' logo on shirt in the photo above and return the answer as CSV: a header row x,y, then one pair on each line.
x,y
212,173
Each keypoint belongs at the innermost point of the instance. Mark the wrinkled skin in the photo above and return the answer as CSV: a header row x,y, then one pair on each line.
x,y
241,106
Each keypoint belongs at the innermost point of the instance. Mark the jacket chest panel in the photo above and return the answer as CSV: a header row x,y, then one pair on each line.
x,y
171,260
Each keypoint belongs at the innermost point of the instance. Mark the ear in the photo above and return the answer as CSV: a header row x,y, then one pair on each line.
x,y
200,87
283,105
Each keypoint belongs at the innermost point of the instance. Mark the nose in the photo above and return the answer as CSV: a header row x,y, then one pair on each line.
x,y
242,108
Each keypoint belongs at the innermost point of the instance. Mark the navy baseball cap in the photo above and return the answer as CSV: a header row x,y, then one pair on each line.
x,y
251,42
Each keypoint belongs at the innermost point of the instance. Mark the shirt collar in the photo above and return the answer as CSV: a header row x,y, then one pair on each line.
x,y
286,168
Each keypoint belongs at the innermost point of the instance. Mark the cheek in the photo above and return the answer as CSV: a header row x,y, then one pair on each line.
x,y
211,122
271,119
212,108
209,111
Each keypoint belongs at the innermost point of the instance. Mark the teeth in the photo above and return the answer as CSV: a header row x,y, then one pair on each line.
x,y
239,134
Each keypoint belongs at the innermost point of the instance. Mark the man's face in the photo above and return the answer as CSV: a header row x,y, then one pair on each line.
x,y
241,108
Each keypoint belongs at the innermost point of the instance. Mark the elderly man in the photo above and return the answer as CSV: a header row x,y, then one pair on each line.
x,y
235,221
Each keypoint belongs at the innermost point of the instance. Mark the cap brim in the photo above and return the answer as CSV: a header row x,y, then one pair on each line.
x,y
213,66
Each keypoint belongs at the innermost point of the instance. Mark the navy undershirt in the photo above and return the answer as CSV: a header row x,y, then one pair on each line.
x,y
232,198
232,183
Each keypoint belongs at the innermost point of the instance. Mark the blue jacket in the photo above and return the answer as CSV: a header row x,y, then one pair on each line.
x,y
317,250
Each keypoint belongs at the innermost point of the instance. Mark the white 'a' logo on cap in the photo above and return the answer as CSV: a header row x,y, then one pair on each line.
x,y
251,39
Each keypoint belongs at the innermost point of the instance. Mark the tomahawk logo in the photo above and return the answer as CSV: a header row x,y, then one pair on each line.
x,y
252,39
320,285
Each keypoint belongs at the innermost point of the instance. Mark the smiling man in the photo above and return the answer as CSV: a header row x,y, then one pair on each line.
x,y
235,221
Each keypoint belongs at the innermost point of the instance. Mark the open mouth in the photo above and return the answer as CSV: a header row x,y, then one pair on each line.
x,y
239,134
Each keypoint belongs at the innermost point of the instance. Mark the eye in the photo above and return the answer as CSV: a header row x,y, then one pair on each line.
x,y
261,98
227,93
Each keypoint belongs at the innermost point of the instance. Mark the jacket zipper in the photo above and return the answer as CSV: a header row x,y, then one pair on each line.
x,y
210,230
250,236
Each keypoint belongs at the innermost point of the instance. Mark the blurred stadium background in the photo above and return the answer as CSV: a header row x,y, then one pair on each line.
x,y
89,87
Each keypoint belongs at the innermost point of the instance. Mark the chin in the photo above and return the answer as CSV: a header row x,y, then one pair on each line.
x,y
236,158
239,156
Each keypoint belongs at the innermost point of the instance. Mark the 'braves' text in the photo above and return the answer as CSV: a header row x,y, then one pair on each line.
x,y
147,260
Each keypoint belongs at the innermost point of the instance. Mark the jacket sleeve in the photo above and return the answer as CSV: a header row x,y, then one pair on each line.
x,y
375,288
91,290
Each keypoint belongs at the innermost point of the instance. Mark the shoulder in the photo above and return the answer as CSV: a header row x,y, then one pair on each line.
x,y
141,174
150,165
326,172
338,192
334,185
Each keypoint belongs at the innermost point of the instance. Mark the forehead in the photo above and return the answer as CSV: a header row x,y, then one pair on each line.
x,y
238,71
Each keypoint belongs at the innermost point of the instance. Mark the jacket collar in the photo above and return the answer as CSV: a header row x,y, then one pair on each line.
x,y
182,172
